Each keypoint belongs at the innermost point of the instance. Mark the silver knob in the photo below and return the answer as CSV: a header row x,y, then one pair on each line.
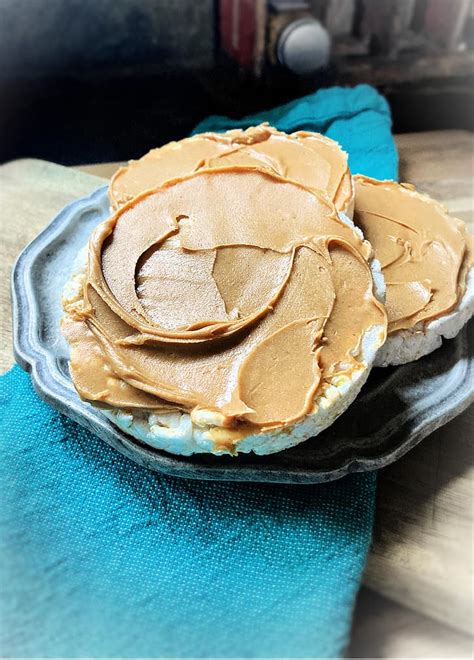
x,y
304,46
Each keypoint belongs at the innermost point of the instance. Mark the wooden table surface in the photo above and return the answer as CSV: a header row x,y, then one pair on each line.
x,y
422,554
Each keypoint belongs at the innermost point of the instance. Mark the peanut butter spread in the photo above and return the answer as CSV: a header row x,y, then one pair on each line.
x,y
308,158
424,253
233,294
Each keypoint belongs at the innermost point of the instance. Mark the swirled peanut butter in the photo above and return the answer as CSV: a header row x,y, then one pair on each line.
x,y
232,294
311,159
424,253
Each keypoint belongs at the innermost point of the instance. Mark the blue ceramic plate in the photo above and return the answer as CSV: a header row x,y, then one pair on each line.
x,y
396,409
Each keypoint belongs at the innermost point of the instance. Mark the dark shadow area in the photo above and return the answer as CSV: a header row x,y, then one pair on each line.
x,y
87,82
74,120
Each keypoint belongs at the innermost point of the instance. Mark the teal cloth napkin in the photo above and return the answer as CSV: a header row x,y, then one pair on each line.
x,y
358,118
101,558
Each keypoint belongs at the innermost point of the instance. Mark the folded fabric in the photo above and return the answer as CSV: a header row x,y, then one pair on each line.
x,y
358,118
102,558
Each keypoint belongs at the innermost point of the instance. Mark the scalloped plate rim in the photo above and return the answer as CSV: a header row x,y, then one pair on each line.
x,y
36,360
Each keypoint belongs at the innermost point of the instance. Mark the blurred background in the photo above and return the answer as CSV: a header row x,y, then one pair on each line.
x,y
84,81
